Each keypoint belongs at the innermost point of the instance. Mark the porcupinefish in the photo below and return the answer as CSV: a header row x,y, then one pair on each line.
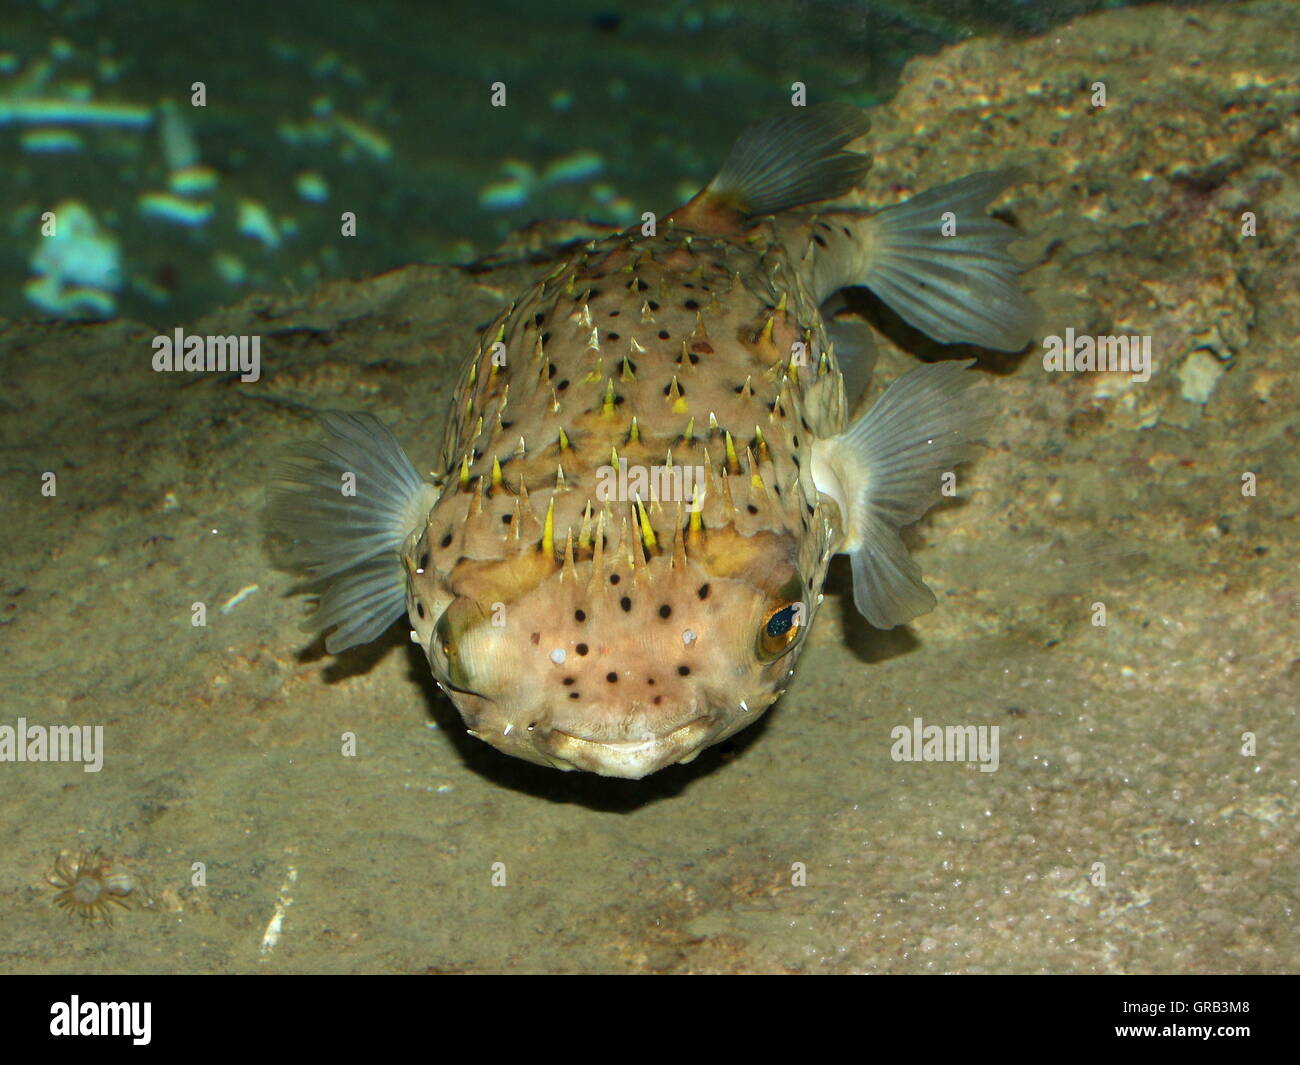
x,y
583,599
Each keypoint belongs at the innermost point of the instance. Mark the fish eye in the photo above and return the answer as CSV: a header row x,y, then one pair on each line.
x,y
780,630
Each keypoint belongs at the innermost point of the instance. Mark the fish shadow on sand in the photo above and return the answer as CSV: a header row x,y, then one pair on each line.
x,y
868,644
355,661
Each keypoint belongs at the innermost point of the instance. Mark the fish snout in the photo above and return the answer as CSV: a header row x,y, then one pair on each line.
x,y
630,744
632,753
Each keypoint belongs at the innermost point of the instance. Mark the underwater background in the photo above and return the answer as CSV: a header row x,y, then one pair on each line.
x,y
1143,817
319,107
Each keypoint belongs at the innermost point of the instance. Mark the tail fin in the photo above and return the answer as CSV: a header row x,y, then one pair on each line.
x,y
353,541
958,288
780,163
884,472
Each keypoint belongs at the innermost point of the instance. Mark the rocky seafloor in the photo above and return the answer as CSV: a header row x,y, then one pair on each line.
x,y
1144,814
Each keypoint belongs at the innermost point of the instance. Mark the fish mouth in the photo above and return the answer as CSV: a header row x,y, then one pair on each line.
x,y
630,759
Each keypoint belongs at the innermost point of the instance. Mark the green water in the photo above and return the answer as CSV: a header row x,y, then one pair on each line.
x,y
611,109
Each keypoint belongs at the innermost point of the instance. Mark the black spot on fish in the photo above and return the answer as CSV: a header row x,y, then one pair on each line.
x,y
446,540
612,678
652,305
562,385
581,648
752,509
424,560
691,305
614,578
613,336
579,615
703,591
625,603
641,286
419,608
506,519
664,334
684,671
665,611
819,240
568,681
550,371
575,695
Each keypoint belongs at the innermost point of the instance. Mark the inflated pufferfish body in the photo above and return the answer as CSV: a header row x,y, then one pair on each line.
x,y
648,467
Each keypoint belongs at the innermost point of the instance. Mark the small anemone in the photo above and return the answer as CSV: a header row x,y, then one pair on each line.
x,y
87,886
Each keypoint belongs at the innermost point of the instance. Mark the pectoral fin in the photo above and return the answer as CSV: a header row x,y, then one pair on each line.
x,y
885,471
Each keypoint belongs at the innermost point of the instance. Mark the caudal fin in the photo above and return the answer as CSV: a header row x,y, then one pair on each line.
x,y
352,542
885,471
952,278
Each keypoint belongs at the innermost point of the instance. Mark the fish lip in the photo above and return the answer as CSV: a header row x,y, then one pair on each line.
x,y
650,740
632,759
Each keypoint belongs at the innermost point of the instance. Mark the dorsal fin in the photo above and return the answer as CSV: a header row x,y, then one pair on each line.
x,y
779,163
